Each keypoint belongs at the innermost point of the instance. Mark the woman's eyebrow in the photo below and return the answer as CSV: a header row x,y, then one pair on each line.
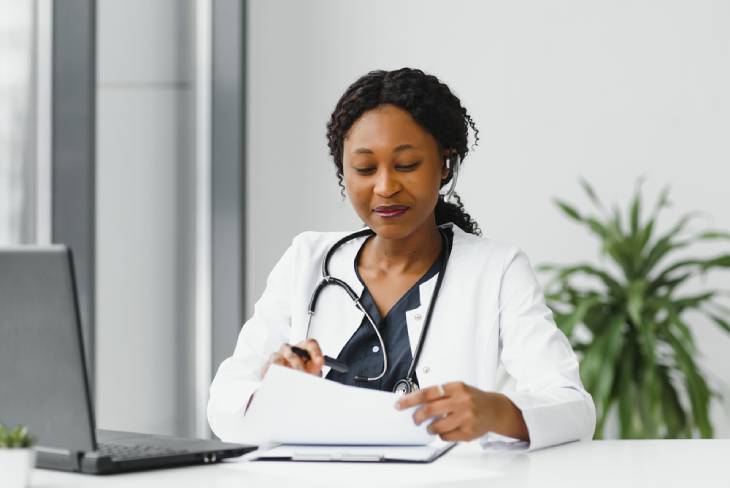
x,y
401,147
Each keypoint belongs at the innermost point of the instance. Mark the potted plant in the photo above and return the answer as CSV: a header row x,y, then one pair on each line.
x,y
627,319
17,457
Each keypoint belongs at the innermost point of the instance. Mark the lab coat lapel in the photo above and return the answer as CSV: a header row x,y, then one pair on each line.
x,y
443,357
437,347
417,317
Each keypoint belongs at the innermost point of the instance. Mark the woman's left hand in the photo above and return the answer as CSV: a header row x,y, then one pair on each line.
x,y
463,413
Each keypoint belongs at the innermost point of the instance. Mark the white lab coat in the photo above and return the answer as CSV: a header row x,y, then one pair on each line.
x,y
490,312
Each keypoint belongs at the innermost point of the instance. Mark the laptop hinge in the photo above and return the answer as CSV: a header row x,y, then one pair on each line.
x,y
62,459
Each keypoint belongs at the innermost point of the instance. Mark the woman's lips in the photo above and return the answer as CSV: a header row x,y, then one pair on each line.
x,y
391,211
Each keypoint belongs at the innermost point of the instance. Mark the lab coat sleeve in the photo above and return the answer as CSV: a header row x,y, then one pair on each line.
x,y
548,390
240,375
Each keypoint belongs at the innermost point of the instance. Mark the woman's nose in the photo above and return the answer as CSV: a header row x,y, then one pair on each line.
x,y
387,184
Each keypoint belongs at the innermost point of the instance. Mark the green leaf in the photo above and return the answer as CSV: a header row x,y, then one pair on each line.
x,y
663,247
597,227
673,412
667,242
699,393
568,322
608,281
669,285
591,193
693,301
716,262
635,302
621,255
569,210
662,201
701,265
663,277
626,398
616,221
648,388
635,216
685,335
644,236
722,323
713,234
599,365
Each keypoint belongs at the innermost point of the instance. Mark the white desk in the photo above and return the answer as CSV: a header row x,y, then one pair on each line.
x,y
695,463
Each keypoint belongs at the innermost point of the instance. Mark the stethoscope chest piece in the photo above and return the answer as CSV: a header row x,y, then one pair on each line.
x,y
404,387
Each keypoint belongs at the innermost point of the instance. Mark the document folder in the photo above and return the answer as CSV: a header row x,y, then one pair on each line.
x,y
377,454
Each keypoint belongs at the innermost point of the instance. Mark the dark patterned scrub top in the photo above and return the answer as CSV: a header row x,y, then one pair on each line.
x,y
362,352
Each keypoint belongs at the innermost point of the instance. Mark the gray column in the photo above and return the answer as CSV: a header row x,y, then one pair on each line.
x,y
228,139
72,150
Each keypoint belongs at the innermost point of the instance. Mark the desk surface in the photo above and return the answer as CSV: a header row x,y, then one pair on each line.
x,y
650,463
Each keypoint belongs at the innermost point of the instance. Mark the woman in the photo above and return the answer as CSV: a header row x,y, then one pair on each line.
x,y
441,307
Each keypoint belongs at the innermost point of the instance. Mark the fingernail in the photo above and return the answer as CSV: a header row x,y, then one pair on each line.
x,y
398,405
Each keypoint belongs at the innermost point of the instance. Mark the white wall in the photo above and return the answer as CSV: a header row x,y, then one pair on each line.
x,y
144,220
607,90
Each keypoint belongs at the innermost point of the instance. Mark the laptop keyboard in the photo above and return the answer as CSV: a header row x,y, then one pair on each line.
x,y
118,451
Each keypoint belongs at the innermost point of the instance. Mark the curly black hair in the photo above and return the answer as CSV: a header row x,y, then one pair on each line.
x,y
430,102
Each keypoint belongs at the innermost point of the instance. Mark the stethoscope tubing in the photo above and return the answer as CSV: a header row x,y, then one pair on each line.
x,y
328,279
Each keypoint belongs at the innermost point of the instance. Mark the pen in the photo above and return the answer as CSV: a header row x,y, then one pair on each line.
x,y
338,366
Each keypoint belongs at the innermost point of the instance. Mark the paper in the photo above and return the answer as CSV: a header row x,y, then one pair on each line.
x,y
293,407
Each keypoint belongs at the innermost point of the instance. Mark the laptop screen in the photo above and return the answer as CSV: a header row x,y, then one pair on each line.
x,y
43,381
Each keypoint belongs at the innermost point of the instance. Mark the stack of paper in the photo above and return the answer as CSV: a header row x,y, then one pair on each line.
x,y
293,407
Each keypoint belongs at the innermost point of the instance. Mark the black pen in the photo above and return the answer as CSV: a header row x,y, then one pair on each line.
x,y
338,366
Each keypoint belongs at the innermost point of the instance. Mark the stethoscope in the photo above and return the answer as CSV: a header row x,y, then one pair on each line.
x,y
405,385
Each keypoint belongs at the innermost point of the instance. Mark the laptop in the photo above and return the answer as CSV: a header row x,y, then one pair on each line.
x,y
43,380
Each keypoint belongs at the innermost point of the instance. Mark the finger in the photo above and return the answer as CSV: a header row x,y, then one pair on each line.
x,y
295,362
312,347
444,425
454,436
426,395
275,358
315,354
433,409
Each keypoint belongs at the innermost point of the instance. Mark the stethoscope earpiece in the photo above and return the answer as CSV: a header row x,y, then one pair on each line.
x,y
453,163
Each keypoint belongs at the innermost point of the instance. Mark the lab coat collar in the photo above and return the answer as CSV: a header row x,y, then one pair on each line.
x,y
345,317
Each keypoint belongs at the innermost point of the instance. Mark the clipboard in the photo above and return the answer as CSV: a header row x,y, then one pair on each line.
x,y
356,453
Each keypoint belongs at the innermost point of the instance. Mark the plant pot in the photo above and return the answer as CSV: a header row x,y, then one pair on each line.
x,y
16,465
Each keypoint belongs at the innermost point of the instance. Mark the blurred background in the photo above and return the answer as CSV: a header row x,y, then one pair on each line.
x,y
179,145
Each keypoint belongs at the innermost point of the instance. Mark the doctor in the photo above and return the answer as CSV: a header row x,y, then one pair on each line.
x,y
417,302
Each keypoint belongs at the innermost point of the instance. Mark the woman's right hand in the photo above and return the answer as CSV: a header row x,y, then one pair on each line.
x,y
287,358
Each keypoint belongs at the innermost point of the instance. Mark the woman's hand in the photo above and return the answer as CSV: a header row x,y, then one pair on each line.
x,y
286,357
463,413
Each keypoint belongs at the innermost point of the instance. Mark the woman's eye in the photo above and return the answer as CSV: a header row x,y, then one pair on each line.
x,y
399,167
408,167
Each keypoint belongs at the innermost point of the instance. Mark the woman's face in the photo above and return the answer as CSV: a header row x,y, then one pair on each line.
x,y
392,170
